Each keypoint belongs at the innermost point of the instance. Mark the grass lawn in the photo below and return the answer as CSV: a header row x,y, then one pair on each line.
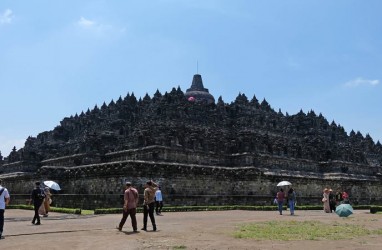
x,y
302,230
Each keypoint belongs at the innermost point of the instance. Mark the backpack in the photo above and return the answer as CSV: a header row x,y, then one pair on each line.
x,y
292,196
41,194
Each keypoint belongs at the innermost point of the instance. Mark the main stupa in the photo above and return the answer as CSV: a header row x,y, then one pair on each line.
x,y
198,92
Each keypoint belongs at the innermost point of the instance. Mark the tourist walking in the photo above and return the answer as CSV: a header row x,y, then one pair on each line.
x,y
280,196
45,206
158,201
149,204
291,200
37,197
48,200
130,204
332,201
4,201
339,198
325,200
345,198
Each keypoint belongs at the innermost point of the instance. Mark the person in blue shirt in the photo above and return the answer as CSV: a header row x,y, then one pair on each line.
x,y
291,200
158,201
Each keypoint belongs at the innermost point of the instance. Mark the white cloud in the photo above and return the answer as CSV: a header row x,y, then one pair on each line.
x,y
99,29
85,23
6,16
360,81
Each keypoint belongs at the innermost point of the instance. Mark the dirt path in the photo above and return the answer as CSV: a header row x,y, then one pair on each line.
x,y
190,230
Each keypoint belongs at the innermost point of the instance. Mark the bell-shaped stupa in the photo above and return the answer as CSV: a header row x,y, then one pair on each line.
x,y
197,92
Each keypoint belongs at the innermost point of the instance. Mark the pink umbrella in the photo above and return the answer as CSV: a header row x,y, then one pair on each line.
x,y
191,99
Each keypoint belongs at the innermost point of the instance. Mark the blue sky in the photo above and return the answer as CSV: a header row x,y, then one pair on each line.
x,y
58,58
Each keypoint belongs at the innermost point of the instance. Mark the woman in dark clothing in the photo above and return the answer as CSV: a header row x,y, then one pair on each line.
x,y
332,201
37,196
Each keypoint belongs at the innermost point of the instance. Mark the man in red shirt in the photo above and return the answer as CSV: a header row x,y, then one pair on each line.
x,y
280,196
130,207
345,197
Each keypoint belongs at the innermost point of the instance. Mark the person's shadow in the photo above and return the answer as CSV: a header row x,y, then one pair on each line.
x,y
131,232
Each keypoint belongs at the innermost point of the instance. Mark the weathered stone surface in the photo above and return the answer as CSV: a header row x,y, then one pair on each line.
x,y
200,143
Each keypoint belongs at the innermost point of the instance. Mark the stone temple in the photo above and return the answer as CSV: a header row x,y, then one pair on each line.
x,y
200,151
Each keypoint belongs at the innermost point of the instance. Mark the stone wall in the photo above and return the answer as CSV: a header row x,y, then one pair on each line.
x,y
167,154
101,185
18,166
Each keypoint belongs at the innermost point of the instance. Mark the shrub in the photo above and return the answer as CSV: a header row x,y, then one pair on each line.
x,y
53,209
375,209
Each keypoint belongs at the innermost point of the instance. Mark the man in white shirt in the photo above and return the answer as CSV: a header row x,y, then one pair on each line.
x,y
158,201
4,200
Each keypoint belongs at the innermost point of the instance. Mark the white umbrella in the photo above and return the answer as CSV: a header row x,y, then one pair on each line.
x,y
284,183
53,185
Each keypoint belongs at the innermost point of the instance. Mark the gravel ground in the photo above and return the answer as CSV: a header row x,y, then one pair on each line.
x,y
182,230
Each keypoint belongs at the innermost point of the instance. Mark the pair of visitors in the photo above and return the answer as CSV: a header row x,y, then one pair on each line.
x,y
4,201
325,200
130,204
